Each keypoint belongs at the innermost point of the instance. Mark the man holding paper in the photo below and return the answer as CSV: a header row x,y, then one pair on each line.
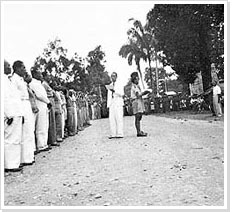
x,y
115,104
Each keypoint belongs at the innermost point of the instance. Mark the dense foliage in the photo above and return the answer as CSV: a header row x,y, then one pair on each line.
x,y
191,36
81,74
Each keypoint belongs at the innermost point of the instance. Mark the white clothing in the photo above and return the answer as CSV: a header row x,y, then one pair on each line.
x,y
115,103
116,97
28,136
41,118
216,104
21,86
216,90
64,112
12,102
12,143
116,120
40,92
75,112
13,132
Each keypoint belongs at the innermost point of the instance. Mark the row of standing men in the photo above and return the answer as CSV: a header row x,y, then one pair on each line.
x,y
37,116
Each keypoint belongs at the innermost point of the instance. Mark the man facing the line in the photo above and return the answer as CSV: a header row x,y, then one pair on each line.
x,y
115,105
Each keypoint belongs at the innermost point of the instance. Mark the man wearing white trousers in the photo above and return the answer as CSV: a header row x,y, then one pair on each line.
x,y
115,104
13,116
41,118
28,137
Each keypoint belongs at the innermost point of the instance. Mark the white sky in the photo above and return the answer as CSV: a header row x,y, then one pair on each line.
x,y
28,26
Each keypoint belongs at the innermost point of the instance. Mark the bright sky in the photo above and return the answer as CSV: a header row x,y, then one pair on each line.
x,y
28,26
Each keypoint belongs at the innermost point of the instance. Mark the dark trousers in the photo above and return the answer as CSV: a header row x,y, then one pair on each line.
x,y
52,124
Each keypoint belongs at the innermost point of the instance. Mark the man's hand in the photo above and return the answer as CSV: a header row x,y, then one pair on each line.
x,y
49,106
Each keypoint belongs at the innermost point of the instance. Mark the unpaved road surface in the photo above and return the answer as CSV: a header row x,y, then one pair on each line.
x,y
180,163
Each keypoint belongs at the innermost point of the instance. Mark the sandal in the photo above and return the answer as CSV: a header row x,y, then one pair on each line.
x,y
142,134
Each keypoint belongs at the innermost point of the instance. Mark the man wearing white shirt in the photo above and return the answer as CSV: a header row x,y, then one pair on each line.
x,y
115,104
13,118
28,137
41,118
216,90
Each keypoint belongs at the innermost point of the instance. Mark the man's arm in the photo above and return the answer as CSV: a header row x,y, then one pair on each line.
x,y
39,95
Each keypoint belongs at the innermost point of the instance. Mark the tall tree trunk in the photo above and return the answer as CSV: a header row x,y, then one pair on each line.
x,y
100,92
151,78
205,60
157,76
140,73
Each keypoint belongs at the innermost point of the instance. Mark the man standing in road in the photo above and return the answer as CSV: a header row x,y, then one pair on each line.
x,y
216,90
115,105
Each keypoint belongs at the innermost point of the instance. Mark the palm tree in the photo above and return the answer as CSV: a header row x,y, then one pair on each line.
x,y
131,51
141,46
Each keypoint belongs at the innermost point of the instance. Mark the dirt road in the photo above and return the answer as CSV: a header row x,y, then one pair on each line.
x,y
180,163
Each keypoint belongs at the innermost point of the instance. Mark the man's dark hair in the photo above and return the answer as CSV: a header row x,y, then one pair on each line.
x,y
114,73
34,72
17,64
44,74
133,76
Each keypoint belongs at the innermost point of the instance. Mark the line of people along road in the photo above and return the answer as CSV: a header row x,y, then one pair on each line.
x,y
38,115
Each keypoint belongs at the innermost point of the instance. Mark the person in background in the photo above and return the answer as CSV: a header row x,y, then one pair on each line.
x,y
75,122
87,110
32,98
70,114
137,103
79,115
58,115
28,136
43,104
216,90
93,110
51,115
13,122
64,112
115,104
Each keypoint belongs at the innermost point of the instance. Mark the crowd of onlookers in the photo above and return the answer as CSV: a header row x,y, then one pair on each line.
x,y
179,102
39,114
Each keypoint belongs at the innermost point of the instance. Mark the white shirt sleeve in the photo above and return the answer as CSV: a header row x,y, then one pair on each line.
x,y
12,102
40,92
216,90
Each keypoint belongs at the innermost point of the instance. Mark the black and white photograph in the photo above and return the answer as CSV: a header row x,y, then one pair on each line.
x,y
114,104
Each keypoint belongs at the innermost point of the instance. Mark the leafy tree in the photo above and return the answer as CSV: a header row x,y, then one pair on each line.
x,y
191,37
54,61
77,71
96,71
